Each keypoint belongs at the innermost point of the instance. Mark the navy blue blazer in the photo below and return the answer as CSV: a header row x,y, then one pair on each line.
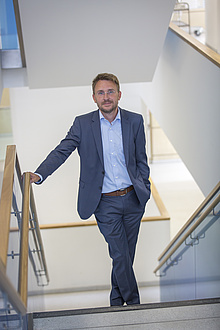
x,y
85,135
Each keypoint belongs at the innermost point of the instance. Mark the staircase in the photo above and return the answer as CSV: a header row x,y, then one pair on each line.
x,y
195,314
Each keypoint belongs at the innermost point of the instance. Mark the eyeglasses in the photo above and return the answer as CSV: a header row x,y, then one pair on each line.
x,y
109,92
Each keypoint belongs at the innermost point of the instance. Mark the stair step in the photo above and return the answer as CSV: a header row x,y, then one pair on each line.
x,y
195,314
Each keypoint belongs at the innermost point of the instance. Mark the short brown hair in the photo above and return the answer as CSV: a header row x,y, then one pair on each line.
x,y
105,76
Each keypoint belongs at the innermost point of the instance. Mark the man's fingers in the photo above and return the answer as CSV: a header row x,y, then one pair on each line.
x,y
34,177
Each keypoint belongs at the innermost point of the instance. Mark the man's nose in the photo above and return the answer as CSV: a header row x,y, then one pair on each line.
x,y
106,95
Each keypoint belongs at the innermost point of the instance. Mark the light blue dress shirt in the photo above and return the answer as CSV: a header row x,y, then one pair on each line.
x,y
116,174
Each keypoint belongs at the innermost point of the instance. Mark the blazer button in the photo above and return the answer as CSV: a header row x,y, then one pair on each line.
x,y
100,187
103,172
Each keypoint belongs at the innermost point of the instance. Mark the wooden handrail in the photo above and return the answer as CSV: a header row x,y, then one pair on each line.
x,y
164,215
187,234
18,299
35,228
92,223
160,205
202,49
6,201
23,262
19,31
191,219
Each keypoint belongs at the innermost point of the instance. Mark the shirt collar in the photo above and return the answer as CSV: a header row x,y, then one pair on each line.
x,y
118,116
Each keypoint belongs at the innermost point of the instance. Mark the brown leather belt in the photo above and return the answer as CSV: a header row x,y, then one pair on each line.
x,y
120,192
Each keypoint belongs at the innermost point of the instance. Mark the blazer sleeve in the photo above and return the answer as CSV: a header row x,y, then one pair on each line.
x,y
62,151
141,156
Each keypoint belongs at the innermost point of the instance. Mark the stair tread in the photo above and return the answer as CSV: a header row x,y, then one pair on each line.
x,y
99,310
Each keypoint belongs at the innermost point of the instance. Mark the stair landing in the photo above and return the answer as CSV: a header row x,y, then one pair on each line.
x,y
196,314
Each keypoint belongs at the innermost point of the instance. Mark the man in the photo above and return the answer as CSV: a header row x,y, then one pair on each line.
x,y
114,175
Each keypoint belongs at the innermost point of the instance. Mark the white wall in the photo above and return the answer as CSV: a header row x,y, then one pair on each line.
x,y
185,102
184,98
68,42
213,24
40,119
77,257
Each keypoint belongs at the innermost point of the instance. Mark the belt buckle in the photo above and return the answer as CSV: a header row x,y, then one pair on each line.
x,y
124,189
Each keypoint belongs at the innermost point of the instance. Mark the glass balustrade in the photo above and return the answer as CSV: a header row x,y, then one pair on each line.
x,y
192,271
19,278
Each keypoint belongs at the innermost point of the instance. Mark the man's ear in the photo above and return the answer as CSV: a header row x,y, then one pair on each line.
x,y
94,98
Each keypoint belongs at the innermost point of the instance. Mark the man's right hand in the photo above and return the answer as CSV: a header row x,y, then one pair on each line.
x,y
34,177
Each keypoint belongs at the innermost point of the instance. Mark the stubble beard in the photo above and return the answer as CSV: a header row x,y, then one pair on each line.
x,y
108,111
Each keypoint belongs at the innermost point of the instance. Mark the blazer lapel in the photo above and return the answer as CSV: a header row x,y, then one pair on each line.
x,y
96,129
125,127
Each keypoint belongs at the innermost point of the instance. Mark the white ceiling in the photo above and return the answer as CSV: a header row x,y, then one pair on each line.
x,y
67,42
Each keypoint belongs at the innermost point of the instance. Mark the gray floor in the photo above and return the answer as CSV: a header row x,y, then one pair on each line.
x,y
190,315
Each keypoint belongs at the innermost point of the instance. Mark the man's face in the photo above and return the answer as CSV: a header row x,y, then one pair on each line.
x,y
106,96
